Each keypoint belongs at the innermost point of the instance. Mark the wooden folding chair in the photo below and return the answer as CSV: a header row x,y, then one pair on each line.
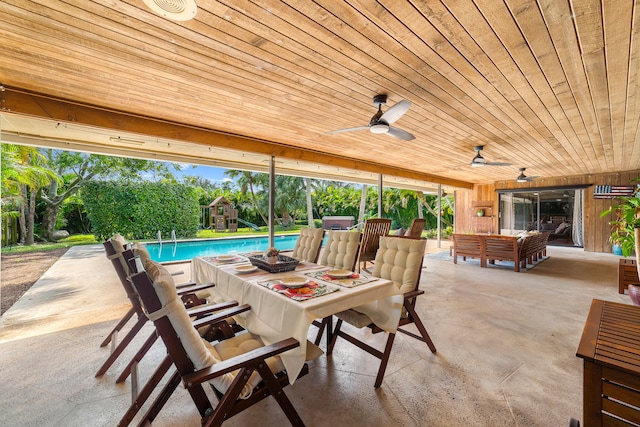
x,y
373,229
239,378
117,252
399,259
340,252
213,324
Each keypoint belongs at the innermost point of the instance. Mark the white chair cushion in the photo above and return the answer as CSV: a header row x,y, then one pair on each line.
x,y
119,245
202,353
399,260
308,244
140,250
341,249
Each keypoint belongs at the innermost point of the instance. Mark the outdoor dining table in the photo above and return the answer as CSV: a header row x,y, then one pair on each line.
x,y
275,316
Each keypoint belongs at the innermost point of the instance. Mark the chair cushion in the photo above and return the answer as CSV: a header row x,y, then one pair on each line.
x,y
119,243
341,249
202,353
400,260
140,250
308,244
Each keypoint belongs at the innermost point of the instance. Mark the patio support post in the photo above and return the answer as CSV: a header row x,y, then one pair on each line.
x,y
272,186
380,196
439,217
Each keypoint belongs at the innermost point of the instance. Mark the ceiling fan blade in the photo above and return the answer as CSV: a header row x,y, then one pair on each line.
x,y
399,133
497,164
347,129
395,112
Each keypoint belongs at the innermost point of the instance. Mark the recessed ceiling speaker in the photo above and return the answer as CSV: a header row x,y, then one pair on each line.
x,y
177,10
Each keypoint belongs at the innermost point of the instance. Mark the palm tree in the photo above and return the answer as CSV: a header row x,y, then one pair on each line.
x,y
28,170
290,197
247,180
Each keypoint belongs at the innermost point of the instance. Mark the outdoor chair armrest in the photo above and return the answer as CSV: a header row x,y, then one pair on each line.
x,y
184,284
194,288
413,294
241,361
220,316
210,308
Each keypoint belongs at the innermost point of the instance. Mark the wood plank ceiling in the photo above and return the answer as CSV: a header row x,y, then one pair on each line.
x,y
550,85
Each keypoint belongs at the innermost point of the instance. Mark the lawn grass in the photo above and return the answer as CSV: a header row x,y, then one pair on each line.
x,y
75,240
211,234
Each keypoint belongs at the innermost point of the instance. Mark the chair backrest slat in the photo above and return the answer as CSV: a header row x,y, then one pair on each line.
x,y
119,261
374,228
416,228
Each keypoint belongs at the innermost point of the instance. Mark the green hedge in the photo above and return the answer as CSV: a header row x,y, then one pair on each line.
x,y
139,210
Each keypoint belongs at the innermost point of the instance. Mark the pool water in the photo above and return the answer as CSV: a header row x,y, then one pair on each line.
x,y
187,250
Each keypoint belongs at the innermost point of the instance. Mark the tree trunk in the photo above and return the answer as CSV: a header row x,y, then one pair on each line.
x,y
255,204
310,221
363,206
31,218
23,217
53,201
49,220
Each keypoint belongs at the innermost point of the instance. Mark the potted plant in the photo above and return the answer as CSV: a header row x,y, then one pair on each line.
x,y
271,255
625,226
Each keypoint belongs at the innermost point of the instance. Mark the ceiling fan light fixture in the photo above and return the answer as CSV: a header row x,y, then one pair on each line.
x,y
478,161
522,177
379,128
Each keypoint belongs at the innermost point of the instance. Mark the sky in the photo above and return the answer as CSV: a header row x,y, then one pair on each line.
x,y
211,173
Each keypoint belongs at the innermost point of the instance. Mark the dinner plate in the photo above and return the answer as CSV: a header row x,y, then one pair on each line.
x,y
225,258
294,282
246,268
339,274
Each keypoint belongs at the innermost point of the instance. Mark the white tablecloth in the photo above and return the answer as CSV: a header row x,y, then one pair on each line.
x,y
274,316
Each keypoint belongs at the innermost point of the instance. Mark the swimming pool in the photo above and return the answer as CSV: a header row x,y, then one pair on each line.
x,y
187,250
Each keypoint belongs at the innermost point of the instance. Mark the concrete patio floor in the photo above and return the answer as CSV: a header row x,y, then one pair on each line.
x,y
506,351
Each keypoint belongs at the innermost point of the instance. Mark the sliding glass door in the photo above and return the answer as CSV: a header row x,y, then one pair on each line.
x,y
557,211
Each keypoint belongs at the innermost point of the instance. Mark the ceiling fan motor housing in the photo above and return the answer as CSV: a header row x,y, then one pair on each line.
x,y
379,100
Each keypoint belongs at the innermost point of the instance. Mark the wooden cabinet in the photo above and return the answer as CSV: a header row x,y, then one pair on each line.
x,y
611,365
482,217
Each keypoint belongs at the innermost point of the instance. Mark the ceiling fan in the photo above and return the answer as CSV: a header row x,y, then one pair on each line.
x,y
523,178
380,122
479,161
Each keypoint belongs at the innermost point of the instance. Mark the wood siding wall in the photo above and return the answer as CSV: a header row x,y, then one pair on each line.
x,y
596,229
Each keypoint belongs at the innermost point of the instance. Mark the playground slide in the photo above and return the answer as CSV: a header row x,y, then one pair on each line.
x,y
255,227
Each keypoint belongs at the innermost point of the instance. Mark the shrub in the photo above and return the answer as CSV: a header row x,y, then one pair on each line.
x,y
138,211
